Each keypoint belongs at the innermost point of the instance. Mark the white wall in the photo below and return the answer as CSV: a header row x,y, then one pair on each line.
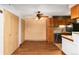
x,y
11,9
71,5
1,34
35,30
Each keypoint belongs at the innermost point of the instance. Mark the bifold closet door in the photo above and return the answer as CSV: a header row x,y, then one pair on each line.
x,y
10,32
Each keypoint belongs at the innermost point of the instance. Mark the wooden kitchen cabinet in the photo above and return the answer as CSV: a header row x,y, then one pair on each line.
x,y
49,30
61,20
58,20
75,12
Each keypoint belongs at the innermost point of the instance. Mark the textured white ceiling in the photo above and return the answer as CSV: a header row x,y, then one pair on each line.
x,y
47,9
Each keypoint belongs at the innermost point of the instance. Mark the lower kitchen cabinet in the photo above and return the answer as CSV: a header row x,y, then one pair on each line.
x,y
69,47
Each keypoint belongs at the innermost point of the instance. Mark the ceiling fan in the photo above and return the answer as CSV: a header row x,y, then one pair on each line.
x,y
39,14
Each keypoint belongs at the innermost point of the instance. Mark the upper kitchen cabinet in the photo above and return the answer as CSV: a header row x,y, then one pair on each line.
x,y
61,20
75,12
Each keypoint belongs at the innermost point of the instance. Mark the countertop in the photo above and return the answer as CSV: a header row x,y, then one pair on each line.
x,y
68,37
75,33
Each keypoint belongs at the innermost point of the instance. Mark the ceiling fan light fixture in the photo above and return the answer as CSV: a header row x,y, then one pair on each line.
x,y
39,15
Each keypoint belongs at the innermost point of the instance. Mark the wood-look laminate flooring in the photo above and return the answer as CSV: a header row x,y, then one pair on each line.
x,y
37,48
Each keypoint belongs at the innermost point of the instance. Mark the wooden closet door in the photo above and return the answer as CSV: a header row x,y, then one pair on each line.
x,y
14,29
10,32
7,31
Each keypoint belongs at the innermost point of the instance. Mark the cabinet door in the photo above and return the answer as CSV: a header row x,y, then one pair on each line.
x,y
69,47
55,22
61,22
75,12
50,34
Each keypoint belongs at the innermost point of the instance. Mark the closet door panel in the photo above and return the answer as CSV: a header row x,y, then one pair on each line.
x,y
10,32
